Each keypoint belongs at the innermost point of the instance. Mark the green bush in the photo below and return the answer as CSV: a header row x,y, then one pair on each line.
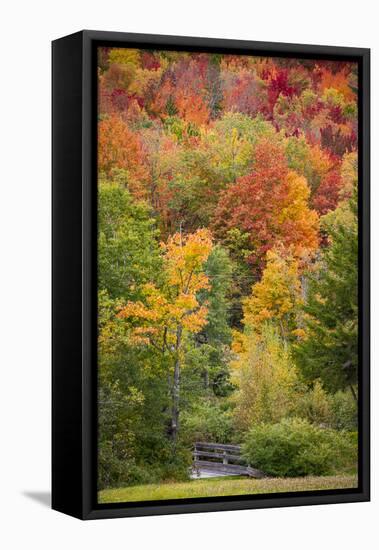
x,y
114,468
120,465
177,469
165,463
338,411
122,473
314,405
208,422
344,411
294,447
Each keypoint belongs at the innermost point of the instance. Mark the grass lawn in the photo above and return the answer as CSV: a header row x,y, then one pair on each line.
x,y
225,487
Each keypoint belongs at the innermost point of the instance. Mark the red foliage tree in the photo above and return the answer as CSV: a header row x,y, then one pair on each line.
x,y
327,194
270,204
183,91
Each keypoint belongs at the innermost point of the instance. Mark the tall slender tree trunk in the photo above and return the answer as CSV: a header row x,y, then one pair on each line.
x,y
176,388
354,393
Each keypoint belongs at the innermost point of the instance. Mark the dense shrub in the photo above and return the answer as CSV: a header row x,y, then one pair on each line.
x,y
344,411
208,422
175,468
117,472
114,468
294,447
266,378
338,411
314,404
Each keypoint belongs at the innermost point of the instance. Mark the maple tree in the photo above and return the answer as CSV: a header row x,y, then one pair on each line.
x,y
340,80
166,316
243,92
120,148
277,296
327,196
309,160
270,204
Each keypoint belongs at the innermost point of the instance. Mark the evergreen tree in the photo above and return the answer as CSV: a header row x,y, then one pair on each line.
x,y
330,349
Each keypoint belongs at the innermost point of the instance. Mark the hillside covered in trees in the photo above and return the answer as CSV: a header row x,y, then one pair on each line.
x,y
227,240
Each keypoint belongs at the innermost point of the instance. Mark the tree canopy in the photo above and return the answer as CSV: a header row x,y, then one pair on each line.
x,y
227,260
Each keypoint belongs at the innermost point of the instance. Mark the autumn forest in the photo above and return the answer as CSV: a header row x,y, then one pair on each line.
x,y
227,271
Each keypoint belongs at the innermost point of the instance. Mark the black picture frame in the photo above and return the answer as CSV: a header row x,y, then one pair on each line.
x,y
74,332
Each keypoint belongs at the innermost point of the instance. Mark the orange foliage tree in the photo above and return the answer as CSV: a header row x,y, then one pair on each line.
x,y
120,148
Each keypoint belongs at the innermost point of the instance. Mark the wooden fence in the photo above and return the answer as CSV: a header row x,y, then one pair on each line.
x,y
220,459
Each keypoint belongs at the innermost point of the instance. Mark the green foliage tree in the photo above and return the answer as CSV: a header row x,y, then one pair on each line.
x,y
329,350
214,341
132,383
219,270
127,243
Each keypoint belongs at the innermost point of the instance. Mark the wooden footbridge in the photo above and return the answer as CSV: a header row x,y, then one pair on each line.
x,y
216,459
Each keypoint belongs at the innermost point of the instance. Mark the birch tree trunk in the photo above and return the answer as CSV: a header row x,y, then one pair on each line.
x,y
176,388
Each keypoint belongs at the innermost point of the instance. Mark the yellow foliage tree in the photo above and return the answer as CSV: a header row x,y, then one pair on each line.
x,y
298,224
163,318
266,379
124,56
277,297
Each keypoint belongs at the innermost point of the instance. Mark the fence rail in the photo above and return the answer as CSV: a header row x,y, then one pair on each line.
x,y
222,460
